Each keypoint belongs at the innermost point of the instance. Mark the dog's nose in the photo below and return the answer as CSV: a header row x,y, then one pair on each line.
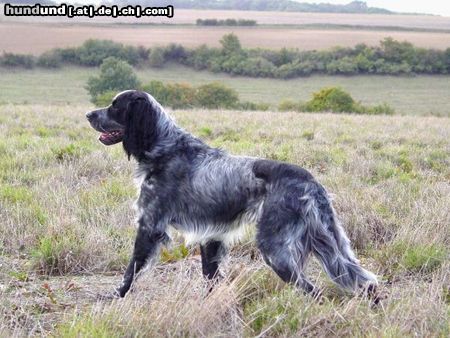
x,y
90,115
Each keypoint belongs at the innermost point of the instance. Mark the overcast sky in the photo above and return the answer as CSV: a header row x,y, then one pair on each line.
x,y
441,7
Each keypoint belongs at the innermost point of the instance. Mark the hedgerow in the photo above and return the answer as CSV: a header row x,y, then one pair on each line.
x,y
390,57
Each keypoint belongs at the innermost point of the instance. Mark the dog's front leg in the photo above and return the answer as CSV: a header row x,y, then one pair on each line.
x,y
146,247
211,253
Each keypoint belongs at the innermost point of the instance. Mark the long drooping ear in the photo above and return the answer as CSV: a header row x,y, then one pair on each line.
x,y
140,127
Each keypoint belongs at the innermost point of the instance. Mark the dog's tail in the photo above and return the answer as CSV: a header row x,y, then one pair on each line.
x,y
329,242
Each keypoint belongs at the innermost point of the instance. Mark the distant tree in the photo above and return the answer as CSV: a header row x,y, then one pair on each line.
x,y
230,44
115,75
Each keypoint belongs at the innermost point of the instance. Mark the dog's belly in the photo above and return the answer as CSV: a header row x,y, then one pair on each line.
x,y
196,231
220,200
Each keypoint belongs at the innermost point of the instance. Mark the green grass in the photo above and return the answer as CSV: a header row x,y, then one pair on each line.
x,y
404,258
86,327
419,95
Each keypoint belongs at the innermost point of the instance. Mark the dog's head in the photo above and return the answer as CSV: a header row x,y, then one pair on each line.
x,y
131,118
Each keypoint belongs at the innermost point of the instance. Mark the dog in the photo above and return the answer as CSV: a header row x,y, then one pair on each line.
x,y
210,196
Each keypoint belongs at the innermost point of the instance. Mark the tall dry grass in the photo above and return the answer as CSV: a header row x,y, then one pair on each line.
x,y
66,229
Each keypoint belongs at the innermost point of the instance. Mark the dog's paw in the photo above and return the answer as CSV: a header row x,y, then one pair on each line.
x,y
374,294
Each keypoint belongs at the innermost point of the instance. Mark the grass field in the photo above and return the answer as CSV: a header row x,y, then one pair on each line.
x,y
419,95
66,229
38,38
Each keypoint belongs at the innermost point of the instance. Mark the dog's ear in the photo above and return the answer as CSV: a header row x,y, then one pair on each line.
x,y
140,127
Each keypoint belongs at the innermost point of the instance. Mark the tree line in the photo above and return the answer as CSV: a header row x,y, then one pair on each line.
x,y
390,57
266,5
226,22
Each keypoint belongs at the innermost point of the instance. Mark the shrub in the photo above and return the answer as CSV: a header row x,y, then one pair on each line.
x,y
331,99
216,95
247,105
69,55
175,52
257,67
334,99
175,95
212,95
115,75
105,98
94,52
200,58
156,58
289,105
180,95
17,60
158,90
380,109
50,59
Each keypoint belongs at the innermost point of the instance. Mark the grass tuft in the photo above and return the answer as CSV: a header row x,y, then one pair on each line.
x,y
15,194
402,257
177,253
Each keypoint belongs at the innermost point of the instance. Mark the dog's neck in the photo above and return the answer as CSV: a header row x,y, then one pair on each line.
x,y
169,139
169,142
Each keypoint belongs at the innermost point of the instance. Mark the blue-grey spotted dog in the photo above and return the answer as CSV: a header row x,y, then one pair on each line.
x,y
209,196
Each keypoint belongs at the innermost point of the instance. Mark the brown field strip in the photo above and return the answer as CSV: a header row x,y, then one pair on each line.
x,y
37,38
189,16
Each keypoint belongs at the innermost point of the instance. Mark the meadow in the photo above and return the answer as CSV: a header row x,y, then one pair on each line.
x,y
37,38
418,95
66,229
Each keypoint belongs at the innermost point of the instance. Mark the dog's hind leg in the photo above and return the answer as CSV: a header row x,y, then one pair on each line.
x,y
146,247
212,253
287,262
284,246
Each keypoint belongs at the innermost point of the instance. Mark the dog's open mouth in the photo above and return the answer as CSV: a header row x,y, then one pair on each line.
x,y
111,138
